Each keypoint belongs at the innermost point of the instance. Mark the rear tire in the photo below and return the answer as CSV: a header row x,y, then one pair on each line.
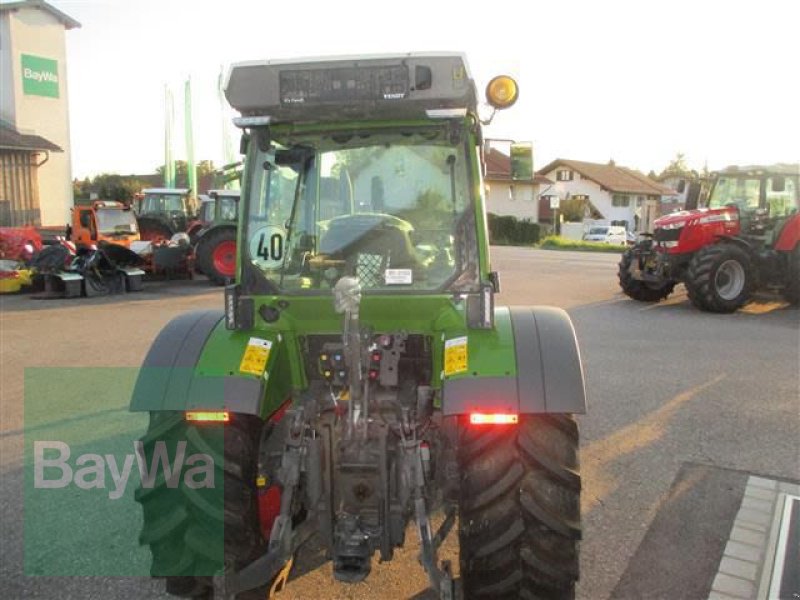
x,y
640,290
195,533
520,508
216,255
719,278
792,290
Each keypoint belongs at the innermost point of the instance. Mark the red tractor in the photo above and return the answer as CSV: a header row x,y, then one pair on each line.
x,y
745,239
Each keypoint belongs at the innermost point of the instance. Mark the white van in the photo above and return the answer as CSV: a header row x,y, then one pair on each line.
x,y
608,234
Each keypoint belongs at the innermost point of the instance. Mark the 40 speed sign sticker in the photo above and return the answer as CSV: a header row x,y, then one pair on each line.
x,y
267,246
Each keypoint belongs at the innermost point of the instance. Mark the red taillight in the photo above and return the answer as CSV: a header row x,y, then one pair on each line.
x,y
208,416
493,418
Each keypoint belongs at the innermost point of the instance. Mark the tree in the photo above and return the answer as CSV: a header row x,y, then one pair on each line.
x,y
572,209
110,186
678,167
204,168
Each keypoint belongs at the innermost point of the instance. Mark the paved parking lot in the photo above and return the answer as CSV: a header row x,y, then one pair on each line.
x,y
670,389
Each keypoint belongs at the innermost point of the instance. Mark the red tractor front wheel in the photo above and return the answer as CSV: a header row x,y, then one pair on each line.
x,y
216,255
720,278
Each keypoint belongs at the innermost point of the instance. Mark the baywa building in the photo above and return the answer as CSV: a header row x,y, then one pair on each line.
x,y
35,173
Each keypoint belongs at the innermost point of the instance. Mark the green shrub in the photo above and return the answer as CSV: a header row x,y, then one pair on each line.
x,y
558,243
510,231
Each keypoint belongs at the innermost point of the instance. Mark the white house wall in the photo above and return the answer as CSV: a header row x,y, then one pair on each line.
x,y
521,202
6,70
36,32
601,199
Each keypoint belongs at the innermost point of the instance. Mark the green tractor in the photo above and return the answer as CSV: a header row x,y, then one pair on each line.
x,y
360,376
215,241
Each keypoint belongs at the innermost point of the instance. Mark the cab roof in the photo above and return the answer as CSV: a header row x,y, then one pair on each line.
x,y
352,88
165,191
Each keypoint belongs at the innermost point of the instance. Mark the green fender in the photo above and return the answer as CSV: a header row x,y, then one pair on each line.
x,y
529,363
195,363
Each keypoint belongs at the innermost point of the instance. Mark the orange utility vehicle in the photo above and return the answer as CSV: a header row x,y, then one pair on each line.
x,y
103,221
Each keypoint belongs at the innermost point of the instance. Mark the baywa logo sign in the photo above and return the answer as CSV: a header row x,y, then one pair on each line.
x,y
89,471
39,76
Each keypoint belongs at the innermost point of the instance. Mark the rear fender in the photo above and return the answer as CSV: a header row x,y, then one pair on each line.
x,y
195,363
790,235
546,374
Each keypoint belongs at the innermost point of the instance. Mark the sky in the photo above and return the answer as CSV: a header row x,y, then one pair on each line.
x,y
633,81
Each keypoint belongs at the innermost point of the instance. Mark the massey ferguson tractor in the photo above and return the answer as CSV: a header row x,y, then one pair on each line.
x,y
747,238
361,376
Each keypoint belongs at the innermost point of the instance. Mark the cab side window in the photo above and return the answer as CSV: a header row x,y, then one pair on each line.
x,y
781,195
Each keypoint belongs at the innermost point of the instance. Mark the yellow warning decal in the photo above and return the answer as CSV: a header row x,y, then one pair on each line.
x,y
255,356
455,356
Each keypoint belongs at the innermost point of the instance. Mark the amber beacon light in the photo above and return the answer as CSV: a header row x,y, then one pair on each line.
x,y
502,92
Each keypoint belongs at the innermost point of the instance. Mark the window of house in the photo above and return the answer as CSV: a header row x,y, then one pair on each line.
x,y
564,175
511,193
623,223
681,186
620,200
640,199
581,197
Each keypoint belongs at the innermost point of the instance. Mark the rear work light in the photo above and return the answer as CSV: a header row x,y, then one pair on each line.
x,y
493,419
208,416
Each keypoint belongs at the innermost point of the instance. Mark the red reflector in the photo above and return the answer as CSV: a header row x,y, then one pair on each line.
x,y
215,416
493,419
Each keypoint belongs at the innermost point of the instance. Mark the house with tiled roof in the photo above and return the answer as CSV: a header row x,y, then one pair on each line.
x,y
507,196
612,194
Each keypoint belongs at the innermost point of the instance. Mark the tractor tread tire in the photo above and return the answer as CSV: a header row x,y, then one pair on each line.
x,y
519,525
204,252
639,290
701,276
189,533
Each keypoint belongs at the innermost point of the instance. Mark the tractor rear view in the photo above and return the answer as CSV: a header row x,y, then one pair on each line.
x,y
747,238
163,212
361,377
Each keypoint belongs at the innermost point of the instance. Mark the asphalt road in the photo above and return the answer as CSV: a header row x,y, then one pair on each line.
x,y
667,384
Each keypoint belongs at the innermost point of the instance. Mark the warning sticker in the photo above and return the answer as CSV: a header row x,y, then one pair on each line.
x,y
455,356
399,276
255,356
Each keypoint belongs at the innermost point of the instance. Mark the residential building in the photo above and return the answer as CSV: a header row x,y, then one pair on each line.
x,y
506,196
612,195
35,173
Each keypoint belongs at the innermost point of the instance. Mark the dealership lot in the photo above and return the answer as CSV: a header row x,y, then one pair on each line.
x,y
683,407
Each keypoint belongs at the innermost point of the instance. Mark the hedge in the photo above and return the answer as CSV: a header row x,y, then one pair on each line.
x,y
559,243
510,231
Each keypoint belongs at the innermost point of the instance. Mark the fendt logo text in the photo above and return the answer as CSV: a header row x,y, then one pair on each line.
x,y
89,470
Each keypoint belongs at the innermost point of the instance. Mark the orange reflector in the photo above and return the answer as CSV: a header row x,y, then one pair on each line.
x,y
493,419
210,416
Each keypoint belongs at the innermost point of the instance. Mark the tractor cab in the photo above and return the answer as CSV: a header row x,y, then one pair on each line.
x,y
163,212
363,170
106,221
763,198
